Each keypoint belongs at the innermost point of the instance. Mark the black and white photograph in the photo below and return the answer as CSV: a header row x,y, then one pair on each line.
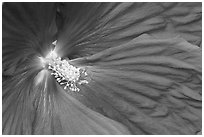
x,y
102,68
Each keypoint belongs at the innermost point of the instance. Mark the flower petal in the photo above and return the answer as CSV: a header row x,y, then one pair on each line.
x,y
45,108
153,86
28,30
88,28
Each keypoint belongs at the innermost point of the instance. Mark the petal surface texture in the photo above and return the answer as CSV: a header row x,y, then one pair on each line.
x,y
98,26
28,30
153,86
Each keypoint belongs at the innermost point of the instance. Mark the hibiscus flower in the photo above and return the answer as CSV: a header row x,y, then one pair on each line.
x,y
101,68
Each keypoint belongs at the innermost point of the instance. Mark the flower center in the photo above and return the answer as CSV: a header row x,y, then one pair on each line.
x,y
66,74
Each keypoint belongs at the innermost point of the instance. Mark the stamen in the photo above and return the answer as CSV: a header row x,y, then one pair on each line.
x,y
65,73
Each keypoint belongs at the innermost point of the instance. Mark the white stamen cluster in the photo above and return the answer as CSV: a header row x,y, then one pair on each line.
x,y
65,73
